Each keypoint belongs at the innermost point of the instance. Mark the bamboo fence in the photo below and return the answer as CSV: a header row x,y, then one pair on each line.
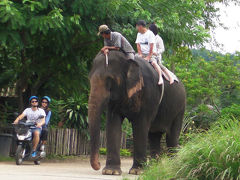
x,y
73,142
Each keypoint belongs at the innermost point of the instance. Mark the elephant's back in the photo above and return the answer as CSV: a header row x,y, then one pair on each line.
x,y
175,91
149,74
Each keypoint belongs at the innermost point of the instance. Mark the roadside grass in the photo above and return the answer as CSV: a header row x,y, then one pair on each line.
x,y
60,157
49,157
214,154
2,159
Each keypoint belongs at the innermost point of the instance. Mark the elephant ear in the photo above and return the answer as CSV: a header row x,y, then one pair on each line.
x,y
134,78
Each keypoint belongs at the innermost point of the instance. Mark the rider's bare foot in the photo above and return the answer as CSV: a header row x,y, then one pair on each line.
x,y
160,81
171,80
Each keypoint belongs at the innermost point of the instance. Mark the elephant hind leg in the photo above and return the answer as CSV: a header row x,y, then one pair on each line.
x,y
154,143
172,137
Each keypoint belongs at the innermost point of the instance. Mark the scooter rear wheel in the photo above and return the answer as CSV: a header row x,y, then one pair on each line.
x,y
37,162
18,157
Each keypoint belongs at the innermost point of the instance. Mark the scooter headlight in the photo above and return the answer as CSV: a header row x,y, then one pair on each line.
x,y
25,136
21,137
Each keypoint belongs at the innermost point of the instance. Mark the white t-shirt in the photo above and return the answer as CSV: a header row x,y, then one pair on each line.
x,y
159,45
145,40
34,116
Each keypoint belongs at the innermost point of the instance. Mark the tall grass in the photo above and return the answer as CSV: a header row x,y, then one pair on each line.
x,y
214,154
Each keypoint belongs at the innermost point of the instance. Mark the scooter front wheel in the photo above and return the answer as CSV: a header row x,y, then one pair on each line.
x,y
37,162
19,152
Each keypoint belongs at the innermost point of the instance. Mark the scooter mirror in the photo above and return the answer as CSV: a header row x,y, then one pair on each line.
x,y
16,114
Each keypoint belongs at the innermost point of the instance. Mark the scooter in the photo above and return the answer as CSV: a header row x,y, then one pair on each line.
x,y
24,144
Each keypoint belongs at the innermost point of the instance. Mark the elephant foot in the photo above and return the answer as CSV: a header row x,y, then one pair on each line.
x,y
111,171
136,171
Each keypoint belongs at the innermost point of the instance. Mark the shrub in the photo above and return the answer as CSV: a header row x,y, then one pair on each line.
x,y
123,152
103,151
233,110
210,155
71,111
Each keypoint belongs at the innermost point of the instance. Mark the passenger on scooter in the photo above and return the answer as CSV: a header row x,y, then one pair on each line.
x,y
36,115
45,106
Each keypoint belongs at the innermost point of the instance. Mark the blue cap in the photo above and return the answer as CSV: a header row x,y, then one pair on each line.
x,y
47,98
33,97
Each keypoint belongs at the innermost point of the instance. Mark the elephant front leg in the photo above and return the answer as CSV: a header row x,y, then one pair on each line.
x,y
140,135
113,133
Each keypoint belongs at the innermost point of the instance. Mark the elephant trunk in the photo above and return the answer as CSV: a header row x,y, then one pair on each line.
x,y
96,103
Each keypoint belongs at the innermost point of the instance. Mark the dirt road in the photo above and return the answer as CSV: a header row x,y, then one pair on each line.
x,y
60,170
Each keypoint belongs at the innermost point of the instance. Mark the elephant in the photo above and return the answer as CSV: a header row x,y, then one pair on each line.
x,y
129,89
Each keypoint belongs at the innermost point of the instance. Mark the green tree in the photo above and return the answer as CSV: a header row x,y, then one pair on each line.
x,y
46,47
210,85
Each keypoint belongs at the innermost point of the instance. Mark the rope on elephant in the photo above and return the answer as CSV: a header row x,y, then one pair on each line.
x,y
106,59
160,100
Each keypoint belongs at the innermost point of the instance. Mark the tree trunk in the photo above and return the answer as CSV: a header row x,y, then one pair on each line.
x,y
21,84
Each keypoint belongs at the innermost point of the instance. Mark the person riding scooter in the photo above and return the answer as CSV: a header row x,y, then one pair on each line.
x,y
45,106
34,115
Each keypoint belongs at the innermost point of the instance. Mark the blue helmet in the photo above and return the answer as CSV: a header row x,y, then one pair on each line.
x,y
47,98
33,97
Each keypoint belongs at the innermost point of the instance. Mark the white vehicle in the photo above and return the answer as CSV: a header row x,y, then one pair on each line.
x,y
24,144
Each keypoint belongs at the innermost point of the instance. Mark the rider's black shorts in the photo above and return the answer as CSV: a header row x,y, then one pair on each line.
x,y
44,134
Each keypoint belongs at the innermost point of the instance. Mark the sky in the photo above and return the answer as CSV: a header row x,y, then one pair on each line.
x,y
229,38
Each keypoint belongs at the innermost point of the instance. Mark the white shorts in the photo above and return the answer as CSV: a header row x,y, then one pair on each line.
x,y
153,58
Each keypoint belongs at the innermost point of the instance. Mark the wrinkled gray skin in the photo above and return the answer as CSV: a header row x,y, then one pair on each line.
x,y
129,89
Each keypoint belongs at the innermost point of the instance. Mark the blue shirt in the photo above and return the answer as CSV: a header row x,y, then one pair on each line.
x,y
47,119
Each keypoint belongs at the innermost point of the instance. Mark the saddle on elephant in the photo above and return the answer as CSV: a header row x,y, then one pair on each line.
x,y
171,74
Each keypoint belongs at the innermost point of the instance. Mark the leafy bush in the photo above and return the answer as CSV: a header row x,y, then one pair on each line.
x,y
72,112
123,152
210,155
103,151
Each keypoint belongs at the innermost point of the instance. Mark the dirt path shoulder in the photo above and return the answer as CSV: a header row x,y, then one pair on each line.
x,y
78,168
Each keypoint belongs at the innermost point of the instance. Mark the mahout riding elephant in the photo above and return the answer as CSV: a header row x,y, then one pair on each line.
x,y
129,89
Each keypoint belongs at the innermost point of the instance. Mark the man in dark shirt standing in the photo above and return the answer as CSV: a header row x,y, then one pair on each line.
x,y
115,41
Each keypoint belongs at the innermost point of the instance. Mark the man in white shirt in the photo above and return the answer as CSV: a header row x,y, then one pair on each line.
x,y
146,46
36,115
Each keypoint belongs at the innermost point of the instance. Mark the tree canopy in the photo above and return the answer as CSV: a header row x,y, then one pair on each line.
x,y
46,47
